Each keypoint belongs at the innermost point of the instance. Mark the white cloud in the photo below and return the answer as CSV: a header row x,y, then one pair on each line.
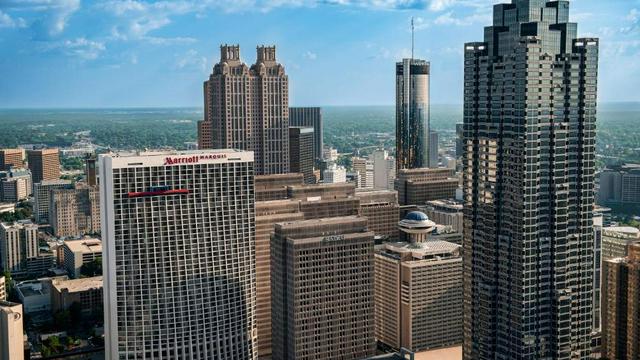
x,y
448,18
7,21
439,5
51,16
309,55
82,48
192,59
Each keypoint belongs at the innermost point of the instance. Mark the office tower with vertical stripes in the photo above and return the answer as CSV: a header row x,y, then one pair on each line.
x,y
247,108
412,114
529,161
178,232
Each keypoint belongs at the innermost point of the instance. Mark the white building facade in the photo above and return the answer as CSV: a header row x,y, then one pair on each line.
x,y
178,233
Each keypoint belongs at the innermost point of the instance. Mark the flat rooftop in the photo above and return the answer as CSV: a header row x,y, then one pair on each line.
x,y
450,353
78,285
421,250
84,246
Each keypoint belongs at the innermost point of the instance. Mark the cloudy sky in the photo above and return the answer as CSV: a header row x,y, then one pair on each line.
x,y
82,53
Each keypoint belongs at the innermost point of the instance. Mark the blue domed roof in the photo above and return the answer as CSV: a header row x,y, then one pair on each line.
x,y
417,216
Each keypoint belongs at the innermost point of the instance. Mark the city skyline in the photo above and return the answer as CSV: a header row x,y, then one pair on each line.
x,y
156,53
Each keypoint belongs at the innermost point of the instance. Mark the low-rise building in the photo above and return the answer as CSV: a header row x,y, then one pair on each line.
x,y
86,291
80,252
35,295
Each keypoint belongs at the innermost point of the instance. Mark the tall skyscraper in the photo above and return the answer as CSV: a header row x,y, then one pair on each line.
x,y
301,152
11,158
248,108
322,289
412,114
178,232
312,117
44,164
529,135
621,306
433,149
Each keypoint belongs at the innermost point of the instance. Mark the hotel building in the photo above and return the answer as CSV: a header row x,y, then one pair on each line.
x,y
178,232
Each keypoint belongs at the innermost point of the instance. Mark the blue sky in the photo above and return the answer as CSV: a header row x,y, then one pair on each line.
x,y
81,53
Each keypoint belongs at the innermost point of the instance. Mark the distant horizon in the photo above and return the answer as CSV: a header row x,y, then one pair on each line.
x,y
606,103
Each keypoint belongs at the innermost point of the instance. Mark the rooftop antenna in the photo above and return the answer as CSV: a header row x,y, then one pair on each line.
x,y
412,37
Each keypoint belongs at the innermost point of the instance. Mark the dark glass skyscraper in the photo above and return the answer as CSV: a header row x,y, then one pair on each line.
x,y
412,114
529,136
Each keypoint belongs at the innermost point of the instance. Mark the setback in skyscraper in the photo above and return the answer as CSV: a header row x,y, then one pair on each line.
x,y
529,139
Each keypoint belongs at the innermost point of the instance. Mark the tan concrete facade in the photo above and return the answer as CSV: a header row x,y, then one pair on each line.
x,y
381,208
418,295
417,186
322,289
11,158
248,108
87,292
44,164
621,306
11,331
268,213
74,212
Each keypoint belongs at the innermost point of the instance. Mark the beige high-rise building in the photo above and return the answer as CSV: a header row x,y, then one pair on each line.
x,y
41,194
268,213
418,295
364,169
384,170
417,186
11,331
248,108
11,158
44,164
79,252
621,306
74,212
18,243
322,289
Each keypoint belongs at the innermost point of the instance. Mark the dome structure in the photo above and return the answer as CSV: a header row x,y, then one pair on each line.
x,y
417,216
416,227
